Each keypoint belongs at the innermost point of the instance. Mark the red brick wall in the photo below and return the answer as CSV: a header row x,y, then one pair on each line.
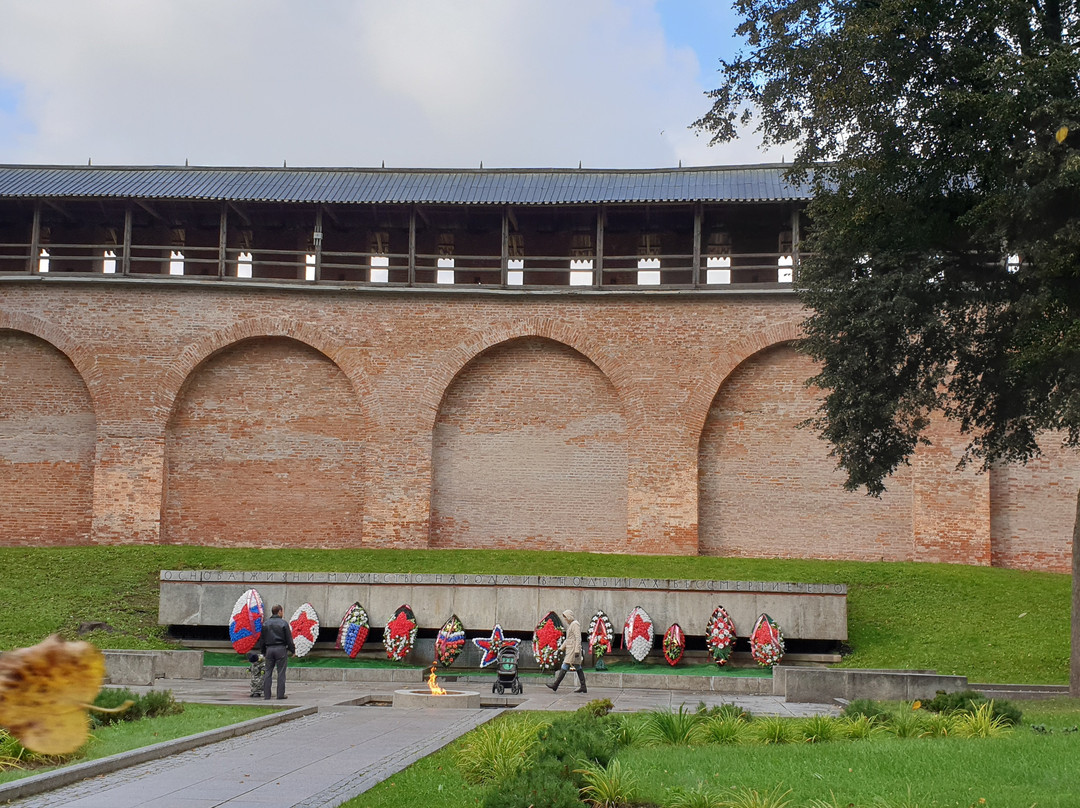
x,y
530,451
46,445
263,450
1032,506
228,413
769,489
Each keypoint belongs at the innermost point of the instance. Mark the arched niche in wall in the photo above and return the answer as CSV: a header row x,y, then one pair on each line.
x,y
47,445
263,448
767,488
529,450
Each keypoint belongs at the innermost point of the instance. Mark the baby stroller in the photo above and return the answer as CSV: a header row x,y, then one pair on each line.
x,y
508,673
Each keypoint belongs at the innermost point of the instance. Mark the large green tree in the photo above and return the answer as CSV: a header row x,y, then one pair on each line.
x,y
942,270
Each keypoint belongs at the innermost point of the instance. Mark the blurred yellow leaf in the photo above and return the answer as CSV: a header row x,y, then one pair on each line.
x,y
1062,133
45,691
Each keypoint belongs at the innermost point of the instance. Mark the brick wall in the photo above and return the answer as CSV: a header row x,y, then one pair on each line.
x,y
46,445
221,413
1032,506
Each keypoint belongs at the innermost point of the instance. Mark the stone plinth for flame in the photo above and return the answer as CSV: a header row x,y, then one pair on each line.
x,y
451,699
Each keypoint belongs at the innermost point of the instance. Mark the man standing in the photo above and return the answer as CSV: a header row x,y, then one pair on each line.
x,y
276,643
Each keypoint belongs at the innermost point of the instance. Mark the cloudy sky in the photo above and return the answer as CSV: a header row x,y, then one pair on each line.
x,y
412,83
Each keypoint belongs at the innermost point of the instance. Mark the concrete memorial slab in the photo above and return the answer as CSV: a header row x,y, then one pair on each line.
x,y
803,610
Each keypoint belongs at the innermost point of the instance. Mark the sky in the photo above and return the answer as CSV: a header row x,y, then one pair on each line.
x,y
405,83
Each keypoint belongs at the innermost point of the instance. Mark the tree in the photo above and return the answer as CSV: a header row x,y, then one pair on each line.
x,y
942,270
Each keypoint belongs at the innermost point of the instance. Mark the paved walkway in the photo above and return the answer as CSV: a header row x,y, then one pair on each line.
x,y
325,759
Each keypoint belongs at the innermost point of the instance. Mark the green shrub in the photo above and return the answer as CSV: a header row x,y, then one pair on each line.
x,y
906,722
724,711
575,739
628,730
968,701
597,707
869,708
149,705
159,702
112,699
542,783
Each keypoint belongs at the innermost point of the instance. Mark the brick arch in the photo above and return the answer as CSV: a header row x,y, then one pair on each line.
x,y
80,357
263,448
48,411
530,449
704,393
172,380
574,337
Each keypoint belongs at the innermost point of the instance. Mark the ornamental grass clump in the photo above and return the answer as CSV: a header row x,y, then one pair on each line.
x,y
699,796
610,786
862,727
774,730
821,729
982,723
675,728
497,751
906,722
725,731
752,798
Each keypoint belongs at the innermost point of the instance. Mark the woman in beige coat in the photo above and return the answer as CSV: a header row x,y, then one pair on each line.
x,y
572,656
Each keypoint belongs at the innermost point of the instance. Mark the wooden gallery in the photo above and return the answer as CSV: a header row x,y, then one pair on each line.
x,y
593,360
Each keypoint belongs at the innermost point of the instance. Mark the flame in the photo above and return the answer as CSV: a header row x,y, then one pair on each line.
x,y
433,685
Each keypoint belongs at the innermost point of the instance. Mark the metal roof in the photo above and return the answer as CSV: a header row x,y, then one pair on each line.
x,y
761,183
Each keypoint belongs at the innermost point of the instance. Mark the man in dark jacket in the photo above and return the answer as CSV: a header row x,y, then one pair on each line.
x,y
276,643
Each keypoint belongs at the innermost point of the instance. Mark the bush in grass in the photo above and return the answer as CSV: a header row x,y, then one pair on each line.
x,y
149,705
542,783
968,701
627,731
869,708
575,739
13,755
724,711
598,707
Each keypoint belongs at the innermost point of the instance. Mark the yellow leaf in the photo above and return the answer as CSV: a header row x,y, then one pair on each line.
x,y
45,691
1062,133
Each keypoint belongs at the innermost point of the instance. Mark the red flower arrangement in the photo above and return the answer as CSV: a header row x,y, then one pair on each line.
x,y
720,636
674,644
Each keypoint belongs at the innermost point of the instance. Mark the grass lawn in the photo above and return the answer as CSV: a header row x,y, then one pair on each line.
x,y
992,625
127,735
1025,768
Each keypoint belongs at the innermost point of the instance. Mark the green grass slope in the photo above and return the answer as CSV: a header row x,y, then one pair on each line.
x,y
992,625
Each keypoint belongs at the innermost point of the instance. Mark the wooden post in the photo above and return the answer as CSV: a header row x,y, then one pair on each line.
x,y
223,239
794,243
34,263
125,261
698,215
317,237
598,263
412,245
504,260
